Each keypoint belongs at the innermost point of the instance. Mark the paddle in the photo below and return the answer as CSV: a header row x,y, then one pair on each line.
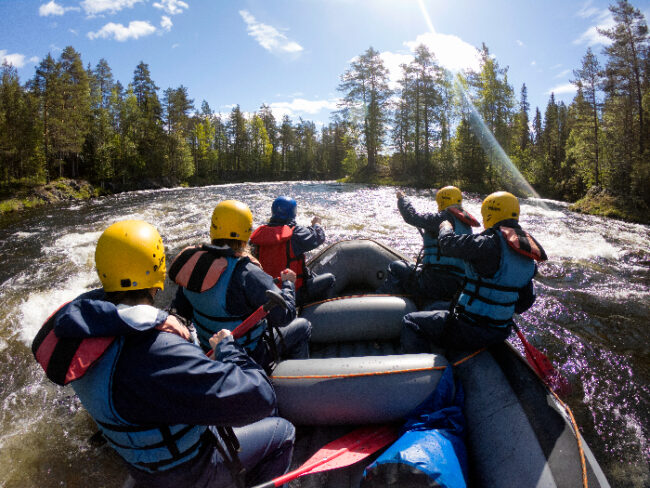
x,y
344,451
275,299
543,367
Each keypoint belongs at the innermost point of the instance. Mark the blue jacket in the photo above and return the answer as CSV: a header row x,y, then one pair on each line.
x,y
430,224
245,292
485,255
151,383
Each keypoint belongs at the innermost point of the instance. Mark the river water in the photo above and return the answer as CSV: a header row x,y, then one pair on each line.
x,y
590,318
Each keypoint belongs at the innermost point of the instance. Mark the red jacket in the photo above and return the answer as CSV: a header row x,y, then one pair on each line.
x,y
275,251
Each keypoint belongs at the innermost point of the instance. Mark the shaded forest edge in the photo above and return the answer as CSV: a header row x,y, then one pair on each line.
x,y
431,129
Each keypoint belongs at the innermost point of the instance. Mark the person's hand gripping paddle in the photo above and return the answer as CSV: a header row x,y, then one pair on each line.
x,y
274,299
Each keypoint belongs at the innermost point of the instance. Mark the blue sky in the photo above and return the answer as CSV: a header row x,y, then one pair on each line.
x,y
290,54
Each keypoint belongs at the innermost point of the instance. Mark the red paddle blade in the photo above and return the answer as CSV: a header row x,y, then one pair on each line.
x,y
344,451
543,367
352,447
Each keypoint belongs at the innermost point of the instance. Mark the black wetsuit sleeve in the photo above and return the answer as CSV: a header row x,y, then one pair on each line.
x,y
427,221
483,251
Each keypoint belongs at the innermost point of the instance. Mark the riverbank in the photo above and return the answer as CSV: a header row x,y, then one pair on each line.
x,y
599,201
23,196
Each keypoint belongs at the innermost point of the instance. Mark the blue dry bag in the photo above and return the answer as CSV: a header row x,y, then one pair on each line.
x,y
431,450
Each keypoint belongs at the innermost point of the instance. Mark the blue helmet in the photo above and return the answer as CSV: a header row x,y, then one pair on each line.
x,y
283,209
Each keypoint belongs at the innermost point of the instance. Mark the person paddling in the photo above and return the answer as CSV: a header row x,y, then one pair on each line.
x,y
176,417
436,276
500,264
220,285
282,244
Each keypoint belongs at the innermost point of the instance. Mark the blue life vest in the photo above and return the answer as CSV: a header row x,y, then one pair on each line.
x,y
491,301
441,263
150,449
210,314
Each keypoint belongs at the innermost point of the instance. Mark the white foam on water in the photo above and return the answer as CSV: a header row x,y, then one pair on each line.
x,y
579,246
78,248
3,345
24,235
38,306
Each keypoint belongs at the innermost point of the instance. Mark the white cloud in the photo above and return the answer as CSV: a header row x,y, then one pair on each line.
x,y
16,60
300,106
172,7
519,43
562,89
451,51
603,20
174,46
269,37
135,30
392,62
53,8
96,7
166,23
562,74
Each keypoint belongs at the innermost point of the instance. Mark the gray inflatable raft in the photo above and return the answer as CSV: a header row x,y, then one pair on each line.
x,y
518,433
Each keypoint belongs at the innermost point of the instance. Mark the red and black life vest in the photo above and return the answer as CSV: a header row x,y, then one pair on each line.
x,y
65,360
275,252
523,243
463,216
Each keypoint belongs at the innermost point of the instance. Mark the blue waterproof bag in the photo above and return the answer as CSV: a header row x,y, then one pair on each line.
x,y
431,450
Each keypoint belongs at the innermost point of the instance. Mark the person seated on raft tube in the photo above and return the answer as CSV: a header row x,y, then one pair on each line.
x,y
436,276
500,264
282,244
177,417
220,285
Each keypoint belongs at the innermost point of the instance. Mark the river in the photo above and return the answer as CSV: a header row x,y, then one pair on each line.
x,y
590,317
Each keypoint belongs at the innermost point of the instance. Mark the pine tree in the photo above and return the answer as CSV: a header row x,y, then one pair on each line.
x,y
365,101
585,137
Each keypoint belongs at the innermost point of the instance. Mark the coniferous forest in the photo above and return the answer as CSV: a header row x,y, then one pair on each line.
x,y
435,129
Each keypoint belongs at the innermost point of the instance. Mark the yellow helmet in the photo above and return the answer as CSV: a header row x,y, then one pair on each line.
x,y
499,206
231,219
130,255
449,195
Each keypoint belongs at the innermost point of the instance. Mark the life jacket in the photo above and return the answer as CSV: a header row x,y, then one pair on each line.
x,y
491,301
276,252
463,223
205,278
89,365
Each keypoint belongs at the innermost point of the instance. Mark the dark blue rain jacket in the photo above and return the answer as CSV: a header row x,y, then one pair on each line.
x,y
150,381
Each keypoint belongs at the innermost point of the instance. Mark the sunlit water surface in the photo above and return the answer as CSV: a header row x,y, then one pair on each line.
x,y
590,318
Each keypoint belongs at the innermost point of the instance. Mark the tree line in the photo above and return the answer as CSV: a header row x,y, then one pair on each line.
x,y
471,129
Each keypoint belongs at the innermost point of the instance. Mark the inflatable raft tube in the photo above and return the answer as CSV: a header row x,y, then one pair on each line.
x,y
378,317
518,432
357,264
367,388
355,390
